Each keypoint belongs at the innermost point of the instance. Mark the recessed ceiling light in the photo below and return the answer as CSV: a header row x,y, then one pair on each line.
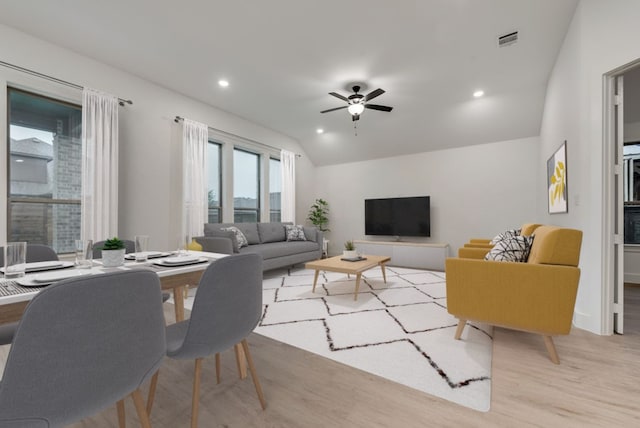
x,y
319,130
223,83
478,94
19,160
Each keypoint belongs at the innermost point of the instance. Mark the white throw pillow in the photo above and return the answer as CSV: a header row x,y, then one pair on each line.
x,y
504,235
295,233
514,249
242,240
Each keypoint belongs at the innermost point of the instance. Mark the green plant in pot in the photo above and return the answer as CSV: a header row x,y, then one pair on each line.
x,y
319,214
349,250
113,252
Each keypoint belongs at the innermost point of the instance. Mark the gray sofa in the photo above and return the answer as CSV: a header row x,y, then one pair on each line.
x,y
267,239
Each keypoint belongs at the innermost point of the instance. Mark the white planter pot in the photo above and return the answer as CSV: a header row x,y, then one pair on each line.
x,y
113,258
349,254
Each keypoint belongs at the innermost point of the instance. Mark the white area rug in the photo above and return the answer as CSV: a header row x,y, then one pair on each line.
x,y
399,330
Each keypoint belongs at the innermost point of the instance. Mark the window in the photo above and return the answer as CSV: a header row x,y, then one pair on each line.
x,y
44,166
275,190
246,186
214,186
631,159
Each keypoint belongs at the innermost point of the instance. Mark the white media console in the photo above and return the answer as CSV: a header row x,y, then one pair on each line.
x,y
407,254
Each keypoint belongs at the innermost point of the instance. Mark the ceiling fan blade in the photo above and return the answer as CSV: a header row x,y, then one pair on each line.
x,y
343,98
371,95
332,109
378,107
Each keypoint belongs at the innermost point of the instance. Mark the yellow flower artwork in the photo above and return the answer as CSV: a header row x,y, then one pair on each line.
x,y
557,181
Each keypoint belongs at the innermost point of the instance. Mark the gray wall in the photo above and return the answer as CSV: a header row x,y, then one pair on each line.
x,y
476,191
150,141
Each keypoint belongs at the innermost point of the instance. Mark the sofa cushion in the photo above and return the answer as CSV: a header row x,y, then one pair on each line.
x,y
514,249
556,246
271,232
504,235
212,232
295,233
280,249
249,230
310,233
242,240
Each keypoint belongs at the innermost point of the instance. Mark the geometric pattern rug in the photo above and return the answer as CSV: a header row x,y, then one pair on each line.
x,y
399,330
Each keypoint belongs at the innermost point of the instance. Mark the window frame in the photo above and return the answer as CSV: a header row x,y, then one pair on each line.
x,y
12,200
219,207
258,209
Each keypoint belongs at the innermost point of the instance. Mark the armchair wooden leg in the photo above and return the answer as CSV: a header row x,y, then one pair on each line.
x,y
218,368
152,392
551,349
140,408
461,325
196,393
242,368
254,375
121,416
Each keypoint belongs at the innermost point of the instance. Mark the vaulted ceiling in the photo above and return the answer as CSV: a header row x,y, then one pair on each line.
x,y
283,57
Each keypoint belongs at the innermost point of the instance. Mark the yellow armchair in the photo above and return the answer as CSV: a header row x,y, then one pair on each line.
x,y
537,296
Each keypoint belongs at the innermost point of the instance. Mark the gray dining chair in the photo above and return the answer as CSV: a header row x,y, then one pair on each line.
x,y
226,309
35,253
83,344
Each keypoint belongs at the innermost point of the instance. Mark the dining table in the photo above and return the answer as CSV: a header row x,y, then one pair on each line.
x,y
184,271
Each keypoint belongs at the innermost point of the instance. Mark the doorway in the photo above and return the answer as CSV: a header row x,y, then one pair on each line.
x,y
622,202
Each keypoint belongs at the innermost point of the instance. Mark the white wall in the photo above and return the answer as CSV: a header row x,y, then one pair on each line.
x,y
602,37
150,167
475,191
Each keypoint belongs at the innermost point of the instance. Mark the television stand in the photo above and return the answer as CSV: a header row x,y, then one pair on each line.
x,y
408,254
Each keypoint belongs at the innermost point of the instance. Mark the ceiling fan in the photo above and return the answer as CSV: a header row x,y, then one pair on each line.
x,y
356,102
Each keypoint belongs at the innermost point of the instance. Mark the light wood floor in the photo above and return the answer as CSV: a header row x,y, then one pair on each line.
x,y
596,385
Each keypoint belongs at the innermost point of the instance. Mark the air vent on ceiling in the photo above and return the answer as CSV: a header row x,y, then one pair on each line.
x,y
507,39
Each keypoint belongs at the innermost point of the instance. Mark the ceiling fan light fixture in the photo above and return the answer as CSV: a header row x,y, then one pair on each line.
x,y
355,109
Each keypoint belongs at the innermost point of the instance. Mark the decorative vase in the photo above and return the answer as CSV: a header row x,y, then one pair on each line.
x,y
349,254
113,258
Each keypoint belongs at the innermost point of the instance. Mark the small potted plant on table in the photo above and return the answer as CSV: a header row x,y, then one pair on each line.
x,y
349,250
113,252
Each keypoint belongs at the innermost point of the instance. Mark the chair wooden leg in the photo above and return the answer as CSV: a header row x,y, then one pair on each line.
x,y
140,408
121,416
152,392
218,368
254,375
551,349
461,326
196,393
242,368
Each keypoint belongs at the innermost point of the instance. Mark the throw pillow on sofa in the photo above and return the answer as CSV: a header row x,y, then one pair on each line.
x,y
242,240
514,249
505,235
295,233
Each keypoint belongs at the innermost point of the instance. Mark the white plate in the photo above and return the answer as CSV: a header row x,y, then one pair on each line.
x,y
43,279
150,255
180,261
49,265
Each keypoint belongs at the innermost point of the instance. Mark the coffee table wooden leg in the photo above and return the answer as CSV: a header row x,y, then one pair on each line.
x,y
384,272
355,296
315,279
178,301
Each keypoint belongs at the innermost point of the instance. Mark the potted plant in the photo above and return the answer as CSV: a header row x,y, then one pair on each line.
x,y
113,252
318,215
349,250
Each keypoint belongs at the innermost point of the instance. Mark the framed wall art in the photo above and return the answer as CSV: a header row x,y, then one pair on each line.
x,y
557,195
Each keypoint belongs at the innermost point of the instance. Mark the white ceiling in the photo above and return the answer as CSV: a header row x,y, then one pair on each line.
x,y
282,57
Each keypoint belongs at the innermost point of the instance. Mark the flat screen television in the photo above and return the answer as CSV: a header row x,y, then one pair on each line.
x,y
397,216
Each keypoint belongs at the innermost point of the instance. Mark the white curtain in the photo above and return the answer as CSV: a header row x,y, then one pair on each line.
x,y
194,173
288,168
99,218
